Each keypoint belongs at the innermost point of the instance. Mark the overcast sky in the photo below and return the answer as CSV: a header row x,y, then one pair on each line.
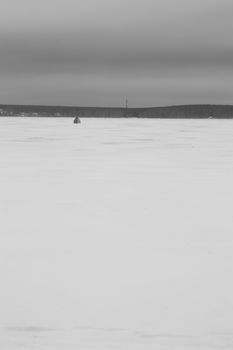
x,y
97,52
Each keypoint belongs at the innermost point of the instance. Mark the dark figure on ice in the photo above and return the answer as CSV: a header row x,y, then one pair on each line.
x,y
77,120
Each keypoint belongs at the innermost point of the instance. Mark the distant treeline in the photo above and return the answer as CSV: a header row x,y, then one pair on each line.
x,y
184,111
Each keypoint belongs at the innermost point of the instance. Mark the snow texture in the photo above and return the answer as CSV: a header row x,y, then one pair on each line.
x,y
116,234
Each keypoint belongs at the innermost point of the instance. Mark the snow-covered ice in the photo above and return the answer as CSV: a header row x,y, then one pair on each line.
x,y
116,234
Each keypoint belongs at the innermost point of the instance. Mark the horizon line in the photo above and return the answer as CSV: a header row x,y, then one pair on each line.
x,y
111,107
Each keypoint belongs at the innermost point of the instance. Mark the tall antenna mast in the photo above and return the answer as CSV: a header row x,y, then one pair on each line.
x,y
126,103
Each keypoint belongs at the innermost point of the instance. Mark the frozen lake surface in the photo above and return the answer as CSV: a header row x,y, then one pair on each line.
x,y
116,234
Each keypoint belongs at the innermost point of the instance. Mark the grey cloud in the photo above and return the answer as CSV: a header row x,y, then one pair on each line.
x,y
115,47
35,56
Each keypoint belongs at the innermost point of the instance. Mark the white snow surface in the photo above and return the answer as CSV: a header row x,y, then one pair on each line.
x,y
116,234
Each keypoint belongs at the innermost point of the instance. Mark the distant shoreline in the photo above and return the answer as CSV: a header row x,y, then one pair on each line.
x,y
198,111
